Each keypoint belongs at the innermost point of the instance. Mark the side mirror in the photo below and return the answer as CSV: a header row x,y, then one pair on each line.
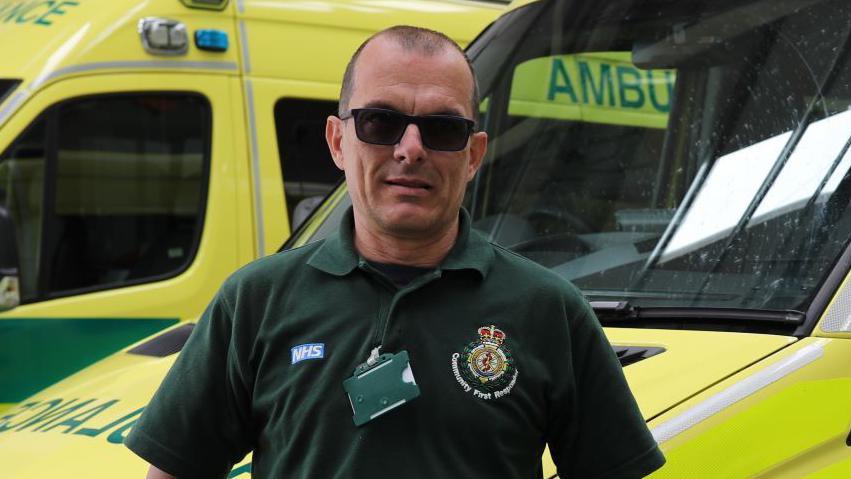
x,y
10,293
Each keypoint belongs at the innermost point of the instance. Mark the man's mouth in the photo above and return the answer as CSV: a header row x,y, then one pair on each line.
x,y
408,183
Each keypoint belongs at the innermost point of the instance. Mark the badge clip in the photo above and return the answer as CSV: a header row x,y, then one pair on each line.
x,y
381,384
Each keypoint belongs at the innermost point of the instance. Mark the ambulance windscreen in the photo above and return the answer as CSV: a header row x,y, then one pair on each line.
x,y
684,154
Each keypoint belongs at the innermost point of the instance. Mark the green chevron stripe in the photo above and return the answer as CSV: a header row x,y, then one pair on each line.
x,y
37,352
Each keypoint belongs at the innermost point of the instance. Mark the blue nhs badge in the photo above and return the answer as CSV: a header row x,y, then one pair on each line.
x,y
307,351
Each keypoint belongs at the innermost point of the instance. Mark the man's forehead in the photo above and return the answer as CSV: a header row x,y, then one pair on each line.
x,y
390,75
389,55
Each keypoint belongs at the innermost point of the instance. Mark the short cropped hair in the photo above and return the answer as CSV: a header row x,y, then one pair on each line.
x,y
420,40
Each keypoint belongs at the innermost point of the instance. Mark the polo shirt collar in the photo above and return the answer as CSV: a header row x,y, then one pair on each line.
x,y
338,256
471,250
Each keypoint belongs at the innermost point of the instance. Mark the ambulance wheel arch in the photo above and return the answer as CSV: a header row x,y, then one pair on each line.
x,y
99,134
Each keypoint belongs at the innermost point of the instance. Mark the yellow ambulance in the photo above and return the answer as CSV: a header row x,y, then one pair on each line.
x,y
687,164
149,148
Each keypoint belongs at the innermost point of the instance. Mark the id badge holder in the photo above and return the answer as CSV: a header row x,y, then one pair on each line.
x,y
377,388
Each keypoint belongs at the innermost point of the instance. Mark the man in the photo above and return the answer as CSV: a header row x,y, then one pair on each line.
x,y
406,345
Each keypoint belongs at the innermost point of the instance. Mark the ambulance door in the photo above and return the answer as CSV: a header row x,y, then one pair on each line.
x,y
293,158
124,194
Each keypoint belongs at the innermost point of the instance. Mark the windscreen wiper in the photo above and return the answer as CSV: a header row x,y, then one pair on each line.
x,y
833,73
623,312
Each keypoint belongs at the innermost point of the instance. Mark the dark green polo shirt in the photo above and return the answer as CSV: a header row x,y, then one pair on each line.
x,y
508,357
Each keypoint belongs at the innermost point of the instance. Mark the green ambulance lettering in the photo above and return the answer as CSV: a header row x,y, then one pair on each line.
x,y
77,420
586,79
49,415
94,432
45,406
7,419
54,10
600,81
629,80
51,411
243,469
651,85
34,12
57,408
20,12
12,11
118,435
560,81
61,414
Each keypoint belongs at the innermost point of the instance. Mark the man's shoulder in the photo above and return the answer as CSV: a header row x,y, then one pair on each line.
x,y
273,269
527,279
528,271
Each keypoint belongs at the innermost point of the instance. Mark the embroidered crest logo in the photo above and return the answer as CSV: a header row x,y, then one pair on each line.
x,y
486,367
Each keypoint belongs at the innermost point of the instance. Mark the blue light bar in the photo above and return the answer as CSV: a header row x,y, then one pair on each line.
x,y
211,40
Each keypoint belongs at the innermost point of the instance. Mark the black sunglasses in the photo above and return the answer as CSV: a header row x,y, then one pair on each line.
x,y
379,126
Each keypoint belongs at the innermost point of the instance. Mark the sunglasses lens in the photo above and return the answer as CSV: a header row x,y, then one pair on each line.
x,y
386,127
444,133
379,127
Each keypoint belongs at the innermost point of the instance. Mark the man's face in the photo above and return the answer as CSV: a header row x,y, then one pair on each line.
x,y
406,190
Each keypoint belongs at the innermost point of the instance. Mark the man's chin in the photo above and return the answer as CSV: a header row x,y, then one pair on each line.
x,y
409,222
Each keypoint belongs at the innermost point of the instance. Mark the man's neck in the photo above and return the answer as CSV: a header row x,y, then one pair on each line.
x,y
421,252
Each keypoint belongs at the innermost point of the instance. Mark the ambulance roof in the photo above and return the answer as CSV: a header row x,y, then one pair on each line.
x,y
44,41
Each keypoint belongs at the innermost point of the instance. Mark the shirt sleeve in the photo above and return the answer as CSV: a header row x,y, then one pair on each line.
x,y
596,428
197,423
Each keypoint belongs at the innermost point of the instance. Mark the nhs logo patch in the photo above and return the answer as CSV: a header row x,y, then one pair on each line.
x,y
307,351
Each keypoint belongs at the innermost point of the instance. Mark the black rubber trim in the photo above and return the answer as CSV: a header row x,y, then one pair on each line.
x,y
848,439
7,86
632,354
299,232
166,344
825,293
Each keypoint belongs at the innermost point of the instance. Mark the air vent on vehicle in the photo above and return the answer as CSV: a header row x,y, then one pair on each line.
x,y
632,354
166,344
206,4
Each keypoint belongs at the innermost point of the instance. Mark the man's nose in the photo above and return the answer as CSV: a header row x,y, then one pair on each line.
x,y
410,146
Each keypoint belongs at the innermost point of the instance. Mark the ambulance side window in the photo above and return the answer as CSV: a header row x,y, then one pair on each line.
x,y
22,194
107,191
306,164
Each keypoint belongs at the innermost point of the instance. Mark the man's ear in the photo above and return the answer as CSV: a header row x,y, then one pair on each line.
x,y
478,148
334,136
